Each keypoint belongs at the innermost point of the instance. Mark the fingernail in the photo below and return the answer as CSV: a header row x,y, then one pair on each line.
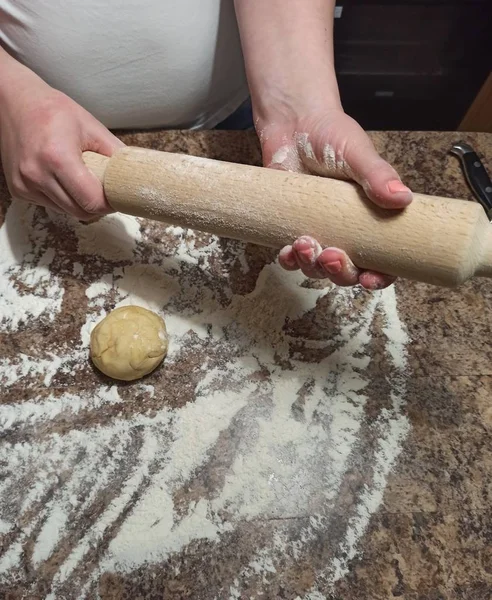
x,y
395,186
333,268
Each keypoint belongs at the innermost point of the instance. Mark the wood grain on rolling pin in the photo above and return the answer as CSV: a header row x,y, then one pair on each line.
x,y
435,240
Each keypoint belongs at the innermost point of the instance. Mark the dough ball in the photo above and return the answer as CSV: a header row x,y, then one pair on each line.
x,y
129,343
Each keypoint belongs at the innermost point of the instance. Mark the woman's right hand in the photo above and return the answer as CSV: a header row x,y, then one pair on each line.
x,y
331,144
42,136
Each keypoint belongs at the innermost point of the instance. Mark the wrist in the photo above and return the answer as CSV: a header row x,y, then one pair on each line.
x,y
17,80
276,104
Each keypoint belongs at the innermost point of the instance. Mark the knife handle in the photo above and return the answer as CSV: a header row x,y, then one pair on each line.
x,y
478,178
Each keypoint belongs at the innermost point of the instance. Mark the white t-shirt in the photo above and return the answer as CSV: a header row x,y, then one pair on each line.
x,y
133,63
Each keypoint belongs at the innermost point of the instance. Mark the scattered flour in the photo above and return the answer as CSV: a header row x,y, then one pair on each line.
x,y
30,370
25,261
23,366
113,237
289,457
148,389
11,558
39,410
5,526
145,285
78,269
99,288
50,533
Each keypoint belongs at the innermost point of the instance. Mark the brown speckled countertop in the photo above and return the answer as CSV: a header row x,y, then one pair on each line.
x,y
341,450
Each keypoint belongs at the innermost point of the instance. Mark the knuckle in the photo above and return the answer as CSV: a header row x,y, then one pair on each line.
x,y
16,186
91,206
75,210
30,172
46,112
78,214
89,201
16,192
52,156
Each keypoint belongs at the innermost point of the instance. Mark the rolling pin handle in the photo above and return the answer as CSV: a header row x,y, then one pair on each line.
x,y
485,266
96,163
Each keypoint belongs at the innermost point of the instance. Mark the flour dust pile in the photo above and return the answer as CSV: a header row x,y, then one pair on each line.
x,y
236,452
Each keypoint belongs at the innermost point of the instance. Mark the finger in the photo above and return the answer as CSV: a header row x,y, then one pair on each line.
x,y
81,185
331,263
337,266
287,259
343,272
65,202
306,251
378,178
370,280
101,140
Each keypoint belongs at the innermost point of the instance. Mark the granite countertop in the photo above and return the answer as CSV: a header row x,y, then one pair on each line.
x,y
300,441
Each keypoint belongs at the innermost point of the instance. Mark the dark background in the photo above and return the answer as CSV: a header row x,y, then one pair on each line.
x,y
412,65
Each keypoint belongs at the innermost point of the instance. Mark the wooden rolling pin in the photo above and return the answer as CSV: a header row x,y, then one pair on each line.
x,y
435,240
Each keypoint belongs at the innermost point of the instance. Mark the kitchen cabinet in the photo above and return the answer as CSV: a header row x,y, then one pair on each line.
x,y
410,64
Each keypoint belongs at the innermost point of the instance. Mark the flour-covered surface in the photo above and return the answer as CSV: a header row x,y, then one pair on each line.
x,y
300,441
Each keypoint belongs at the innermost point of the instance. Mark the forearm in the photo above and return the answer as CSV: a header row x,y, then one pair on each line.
x,y
18,86
14,77
288,52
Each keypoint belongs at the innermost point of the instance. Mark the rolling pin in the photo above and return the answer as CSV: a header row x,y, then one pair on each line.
x,y
435,240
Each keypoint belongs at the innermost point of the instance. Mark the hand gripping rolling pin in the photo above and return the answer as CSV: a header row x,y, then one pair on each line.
x,y
435,240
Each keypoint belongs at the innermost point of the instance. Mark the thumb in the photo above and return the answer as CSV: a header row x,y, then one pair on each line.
x,y
90,194
76,183
101,140
378,178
